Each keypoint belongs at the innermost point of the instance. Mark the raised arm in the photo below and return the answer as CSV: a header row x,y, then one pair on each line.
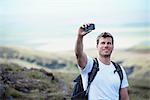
x,y
80,55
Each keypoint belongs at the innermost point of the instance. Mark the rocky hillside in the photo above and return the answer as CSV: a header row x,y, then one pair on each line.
x,y
18,83
143,47
32,57
53,80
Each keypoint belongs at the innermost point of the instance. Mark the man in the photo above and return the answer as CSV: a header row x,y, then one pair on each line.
x,y
106,83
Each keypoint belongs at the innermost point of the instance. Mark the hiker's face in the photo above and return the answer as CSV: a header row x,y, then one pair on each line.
x,y
105,46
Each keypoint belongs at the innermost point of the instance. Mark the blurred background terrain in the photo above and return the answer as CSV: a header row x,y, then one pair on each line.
x,y
32,74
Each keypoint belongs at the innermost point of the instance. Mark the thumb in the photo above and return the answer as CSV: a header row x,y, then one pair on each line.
x,y
85,33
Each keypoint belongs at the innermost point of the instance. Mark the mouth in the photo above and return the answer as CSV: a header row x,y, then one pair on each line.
x,y
106,49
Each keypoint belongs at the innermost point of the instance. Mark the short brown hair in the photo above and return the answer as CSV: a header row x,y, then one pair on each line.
x,y
104,34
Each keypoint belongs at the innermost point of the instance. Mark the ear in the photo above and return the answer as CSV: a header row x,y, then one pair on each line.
x,y
97,46
113,47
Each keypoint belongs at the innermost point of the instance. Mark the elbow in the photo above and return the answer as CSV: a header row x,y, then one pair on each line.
x,y
77,53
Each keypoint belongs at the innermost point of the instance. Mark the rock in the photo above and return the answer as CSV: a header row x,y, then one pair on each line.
x,y
119,62
129,70
7,52
2,90
48,74
10,53
29,83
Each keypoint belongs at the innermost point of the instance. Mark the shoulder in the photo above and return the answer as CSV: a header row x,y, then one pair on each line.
x,y
123,75
88,66
118,66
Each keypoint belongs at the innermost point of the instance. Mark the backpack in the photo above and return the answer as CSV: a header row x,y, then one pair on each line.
x,y
120,73
78,91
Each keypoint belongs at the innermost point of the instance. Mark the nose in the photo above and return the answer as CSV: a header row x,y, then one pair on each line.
x,y
106,45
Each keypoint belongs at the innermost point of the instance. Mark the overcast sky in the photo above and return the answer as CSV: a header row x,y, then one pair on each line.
x,y
47,18
73,11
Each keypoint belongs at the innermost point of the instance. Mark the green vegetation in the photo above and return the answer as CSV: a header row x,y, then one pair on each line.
x,y
36,74
139,89
36,84
142,47
139,80
14,93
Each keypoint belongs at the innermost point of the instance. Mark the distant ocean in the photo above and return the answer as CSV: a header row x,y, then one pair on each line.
x,y
61,41
51,25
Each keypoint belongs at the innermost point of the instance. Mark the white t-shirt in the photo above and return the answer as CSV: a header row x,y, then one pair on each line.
x,y
106,83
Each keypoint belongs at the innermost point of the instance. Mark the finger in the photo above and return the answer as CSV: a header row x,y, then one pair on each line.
x,y
89,31
86,32
83,26
88,24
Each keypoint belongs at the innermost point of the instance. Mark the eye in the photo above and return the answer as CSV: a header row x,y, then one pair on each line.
x,y
109,43
102,42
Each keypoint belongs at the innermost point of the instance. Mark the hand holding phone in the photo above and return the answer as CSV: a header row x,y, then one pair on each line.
x,y
85,29
89,27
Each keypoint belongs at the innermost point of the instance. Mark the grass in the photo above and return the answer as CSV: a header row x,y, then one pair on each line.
x,y
34,80
12,92
35,74
140,60
139,88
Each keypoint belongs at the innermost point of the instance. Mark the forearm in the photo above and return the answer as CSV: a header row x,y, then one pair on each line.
x,y
79,47
124,94
80,55
127,98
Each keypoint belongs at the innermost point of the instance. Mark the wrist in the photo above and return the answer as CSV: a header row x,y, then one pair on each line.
x,y
80,36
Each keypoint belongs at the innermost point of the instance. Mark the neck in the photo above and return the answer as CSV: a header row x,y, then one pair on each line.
x,y
104,60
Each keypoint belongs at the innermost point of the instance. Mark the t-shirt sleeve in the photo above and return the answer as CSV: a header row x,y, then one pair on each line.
x,y
125,79
88,66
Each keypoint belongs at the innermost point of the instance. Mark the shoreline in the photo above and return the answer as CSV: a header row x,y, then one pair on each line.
x,y
68,44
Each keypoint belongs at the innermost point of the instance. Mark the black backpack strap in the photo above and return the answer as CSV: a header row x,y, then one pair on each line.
x,y
120,73
92,74
78,87
77,79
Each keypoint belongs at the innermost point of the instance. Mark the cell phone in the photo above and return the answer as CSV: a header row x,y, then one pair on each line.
x,y
89,27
